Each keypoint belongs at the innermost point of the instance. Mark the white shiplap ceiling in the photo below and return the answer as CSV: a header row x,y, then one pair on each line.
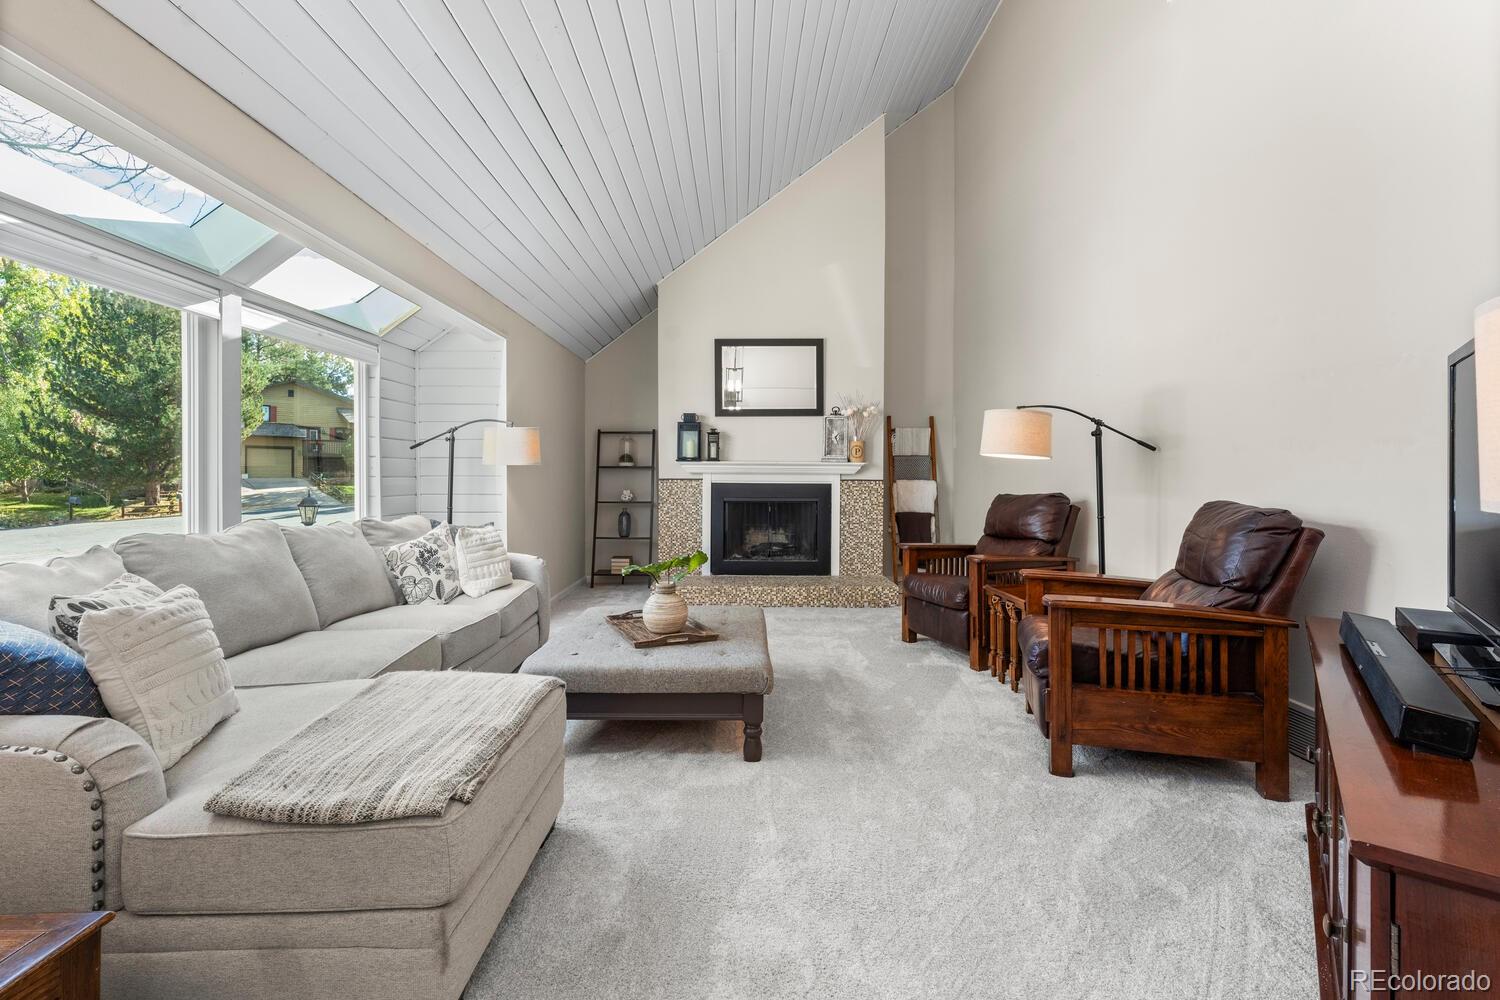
x,y
567,154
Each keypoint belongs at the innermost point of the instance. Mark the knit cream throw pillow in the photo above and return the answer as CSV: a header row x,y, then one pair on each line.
x,y
483,562
160,670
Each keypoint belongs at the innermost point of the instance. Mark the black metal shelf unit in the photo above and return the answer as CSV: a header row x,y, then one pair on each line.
x,y
620,476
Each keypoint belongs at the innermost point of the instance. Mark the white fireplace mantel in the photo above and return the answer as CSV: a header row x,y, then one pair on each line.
x,y
813,470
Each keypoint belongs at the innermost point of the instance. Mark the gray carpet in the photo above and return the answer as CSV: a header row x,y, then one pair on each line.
x,y
902,838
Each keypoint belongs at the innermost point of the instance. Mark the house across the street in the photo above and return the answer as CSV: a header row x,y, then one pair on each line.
x,y
305,432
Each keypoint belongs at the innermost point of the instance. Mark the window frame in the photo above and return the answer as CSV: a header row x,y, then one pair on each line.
x,y
211,415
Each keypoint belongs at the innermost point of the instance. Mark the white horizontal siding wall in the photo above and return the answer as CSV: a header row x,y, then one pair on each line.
x,y
391,428
459,377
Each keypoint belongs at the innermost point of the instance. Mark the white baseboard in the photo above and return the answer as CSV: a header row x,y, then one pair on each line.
x,y
559,595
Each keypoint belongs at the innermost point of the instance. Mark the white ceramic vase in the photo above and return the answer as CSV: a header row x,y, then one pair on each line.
x,y
665,611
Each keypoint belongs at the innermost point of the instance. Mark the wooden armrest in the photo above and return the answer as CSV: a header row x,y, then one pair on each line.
x,y
1161,614
936,548
1026,562
1039,583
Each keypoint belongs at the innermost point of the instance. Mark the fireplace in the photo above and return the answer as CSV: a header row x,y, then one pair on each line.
x,y
767,529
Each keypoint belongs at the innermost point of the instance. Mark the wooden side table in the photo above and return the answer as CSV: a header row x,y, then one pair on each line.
x,y
1003,606
50,956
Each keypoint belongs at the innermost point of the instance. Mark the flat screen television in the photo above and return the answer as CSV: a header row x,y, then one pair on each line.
x,y
1473,534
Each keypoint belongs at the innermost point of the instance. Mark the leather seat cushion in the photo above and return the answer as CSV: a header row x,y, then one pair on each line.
x,y
181,859
989,545
947,625
1035,637
942,589
1035,640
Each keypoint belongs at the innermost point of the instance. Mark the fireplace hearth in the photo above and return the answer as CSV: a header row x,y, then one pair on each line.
x,y
771,529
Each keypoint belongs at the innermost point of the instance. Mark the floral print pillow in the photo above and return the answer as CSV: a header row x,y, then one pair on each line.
x,y
425,569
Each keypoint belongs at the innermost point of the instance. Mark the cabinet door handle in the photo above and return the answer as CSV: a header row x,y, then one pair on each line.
x,y
1332,929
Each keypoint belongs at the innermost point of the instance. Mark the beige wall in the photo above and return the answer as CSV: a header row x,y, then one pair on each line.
x,y
619,393
1248,231
229,154
544,387
808,263
919,284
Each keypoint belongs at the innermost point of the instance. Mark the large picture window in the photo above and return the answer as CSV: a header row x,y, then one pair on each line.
x,y
299,421
90,414
131,303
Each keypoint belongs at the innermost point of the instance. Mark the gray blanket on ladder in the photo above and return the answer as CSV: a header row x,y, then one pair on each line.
x,y
404,746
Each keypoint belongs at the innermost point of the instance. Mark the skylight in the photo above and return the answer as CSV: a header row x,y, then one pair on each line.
x,y
50,162
314,282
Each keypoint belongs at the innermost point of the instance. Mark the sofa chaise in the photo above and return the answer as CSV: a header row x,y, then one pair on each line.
x,y
216,906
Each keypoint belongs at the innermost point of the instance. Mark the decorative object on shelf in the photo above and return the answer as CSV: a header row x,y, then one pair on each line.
x,y
835,437
860,415
689,438
307,509
1022,433
713,444
665,611
620,539
511,445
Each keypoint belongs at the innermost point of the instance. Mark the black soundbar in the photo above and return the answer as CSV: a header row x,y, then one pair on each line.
x,y
1418,707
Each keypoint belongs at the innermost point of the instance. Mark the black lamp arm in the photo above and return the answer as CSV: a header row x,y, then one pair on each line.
x,y
1091,419
451,434
458,427
1098,434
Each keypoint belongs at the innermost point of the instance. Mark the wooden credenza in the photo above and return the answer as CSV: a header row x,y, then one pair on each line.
x,y
1403,848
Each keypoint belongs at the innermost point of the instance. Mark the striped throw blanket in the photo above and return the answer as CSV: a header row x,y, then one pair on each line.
x,y
402,747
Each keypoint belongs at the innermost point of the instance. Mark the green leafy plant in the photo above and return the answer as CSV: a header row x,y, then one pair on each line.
x,y
670,571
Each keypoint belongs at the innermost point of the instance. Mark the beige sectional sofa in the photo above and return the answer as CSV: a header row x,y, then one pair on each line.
x,y
230,908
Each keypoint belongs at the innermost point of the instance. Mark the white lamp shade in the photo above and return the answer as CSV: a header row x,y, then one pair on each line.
x,y
1487,397
1016,434
512,446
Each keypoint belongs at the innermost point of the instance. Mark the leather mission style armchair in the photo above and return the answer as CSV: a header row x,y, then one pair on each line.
x,y
1192,663
942,586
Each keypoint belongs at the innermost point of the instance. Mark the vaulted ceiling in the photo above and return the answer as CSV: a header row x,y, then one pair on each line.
x,y
567,154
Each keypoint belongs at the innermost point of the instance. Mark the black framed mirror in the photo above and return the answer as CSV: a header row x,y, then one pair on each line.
x,y
768,378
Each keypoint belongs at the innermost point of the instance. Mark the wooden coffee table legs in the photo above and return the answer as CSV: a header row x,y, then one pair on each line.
x,y
755,713
747,708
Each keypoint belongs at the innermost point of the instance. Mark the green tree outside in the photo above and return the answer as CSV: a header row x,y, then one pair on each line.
x,y
108,411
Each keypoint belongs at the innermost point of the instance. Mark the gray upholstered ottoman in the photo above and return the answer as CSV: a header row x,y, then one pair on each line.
x,y
608,678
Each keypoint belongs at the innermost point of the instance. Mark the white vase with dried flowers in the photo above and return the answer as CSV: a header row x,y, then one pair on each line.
x,y
861,414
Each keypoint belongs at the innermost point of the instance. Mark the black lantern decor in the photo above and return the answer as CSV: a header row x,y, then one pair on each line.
x,y
713,444
307,509
689,438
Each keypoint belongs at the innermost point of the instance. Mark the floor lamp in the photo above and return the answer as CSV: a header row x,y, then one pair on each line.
x,y
503,445
1025,432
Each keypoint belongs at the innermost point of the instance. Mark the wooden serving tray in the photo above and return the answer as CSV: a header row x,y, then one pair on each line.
x,y
635,631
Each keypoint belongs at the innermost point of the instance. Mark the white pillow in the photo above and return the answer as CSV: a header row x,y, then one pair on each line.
x,y
160,670
425,569
483,562
63,613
